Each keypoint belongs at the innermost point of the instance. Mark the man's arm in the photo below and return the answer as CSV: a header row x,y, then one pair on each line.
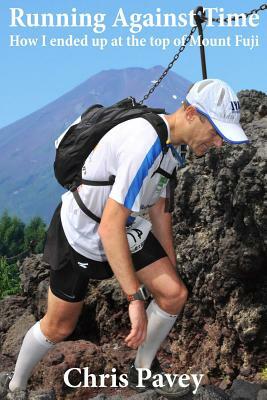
x,y
162,228
113,236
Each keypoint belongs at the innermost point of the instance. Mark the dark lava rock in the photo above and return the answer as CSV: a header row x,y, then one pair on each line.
x,y
220,234
34,274
148,395
210,393
16,333
204,393
262,395
65,355
11,309
241,390
42,395
251,101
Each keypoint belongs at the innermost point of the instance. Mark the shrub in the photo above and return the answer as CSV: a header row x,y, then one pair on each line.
x,y
9,278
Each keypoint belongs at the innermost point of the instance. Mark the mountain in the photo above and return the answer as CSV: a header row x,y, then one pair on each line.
x,y
27,184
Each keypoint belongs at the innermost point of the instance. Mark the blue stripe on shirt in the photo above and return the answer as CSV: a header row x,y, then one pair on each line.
x,y
142,173
130,220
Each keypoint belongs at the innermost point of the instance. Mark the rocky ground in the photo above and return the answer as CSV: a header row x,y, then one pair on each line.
x,y
220,236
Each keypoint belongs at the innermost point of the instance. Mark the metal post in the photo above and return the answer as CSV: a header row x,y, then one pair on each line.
x,y
199,20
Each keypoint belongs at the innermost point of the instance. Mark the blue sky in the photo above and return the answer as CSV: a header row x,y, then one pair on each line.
x,y
31,77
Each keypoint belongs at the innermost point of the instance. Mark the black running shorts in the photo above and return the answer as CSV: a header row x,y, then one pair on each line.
x,y
70,271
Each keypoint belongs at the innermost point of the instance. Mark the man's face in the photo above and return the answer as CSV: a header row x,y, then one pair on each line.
x,y
202,135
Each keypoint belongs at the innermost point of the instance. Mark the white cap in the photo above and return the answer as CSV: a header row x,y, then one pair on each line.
x,y
219,104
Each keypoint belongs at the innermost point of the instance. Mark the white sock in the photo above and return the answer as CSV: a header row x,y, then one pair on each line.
x,y
159,326
33,348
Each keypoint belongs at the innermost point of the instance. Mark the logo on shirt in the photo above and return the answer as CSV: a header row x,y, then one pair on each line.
x,y
162,183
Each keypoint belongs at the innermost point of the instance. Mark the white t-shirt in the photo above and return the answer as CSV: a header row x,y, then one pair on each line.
x,y
132,152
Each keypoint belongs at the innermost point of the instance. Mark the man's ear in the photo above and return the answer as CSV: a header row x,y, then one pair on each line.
x,y
190,113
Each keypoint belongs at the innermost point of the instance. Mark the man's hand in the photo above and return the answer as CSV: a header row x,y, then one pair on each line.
x,y
138,318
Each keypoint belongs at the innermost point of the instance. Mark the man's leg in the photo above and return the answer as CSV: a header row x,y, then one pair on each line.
x,y
170,295
58,323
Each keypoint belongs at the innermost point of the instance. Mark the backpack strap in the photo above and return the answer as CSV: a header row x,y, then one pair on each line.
x,y
160,127
79,201
164,173
99,183
84,208
169,203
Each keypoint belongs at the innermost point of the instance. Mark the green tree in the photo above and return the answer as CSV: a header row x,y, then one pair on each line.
x,y
11,235
35,233
9,278
16,238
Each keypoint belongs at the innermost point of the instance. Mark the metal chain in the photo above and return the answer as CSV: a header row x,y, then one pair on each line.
x,y
165,72
23,253
187,40
263,7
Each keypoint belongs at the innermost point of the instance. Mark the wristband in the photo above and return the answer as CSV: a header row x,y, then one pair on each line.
x,y
141,294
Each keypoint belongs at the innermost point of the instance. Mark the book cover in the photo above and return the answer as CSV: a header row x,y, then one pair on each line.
x,y
57,60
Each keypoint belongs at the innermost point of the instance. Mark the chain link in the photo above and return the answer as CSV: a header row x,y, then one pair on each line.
x,y
23,253
255,10
187,40
165,72
263,7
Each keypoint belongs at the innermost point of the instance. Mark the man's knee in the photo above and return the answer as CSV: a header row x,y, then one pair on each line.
x,y
61,318
174,299
56,331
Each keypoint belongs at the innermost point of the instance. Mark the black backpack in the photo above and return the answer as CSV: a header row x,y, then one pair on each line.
x,y
80,139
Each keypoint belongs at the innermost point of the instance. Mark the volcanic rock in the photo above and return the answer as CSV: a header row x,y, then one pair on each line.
x,y
220,235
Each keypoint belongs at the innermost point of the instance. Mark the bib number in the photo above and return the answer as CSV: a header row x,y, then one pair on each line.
x,y
137,234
